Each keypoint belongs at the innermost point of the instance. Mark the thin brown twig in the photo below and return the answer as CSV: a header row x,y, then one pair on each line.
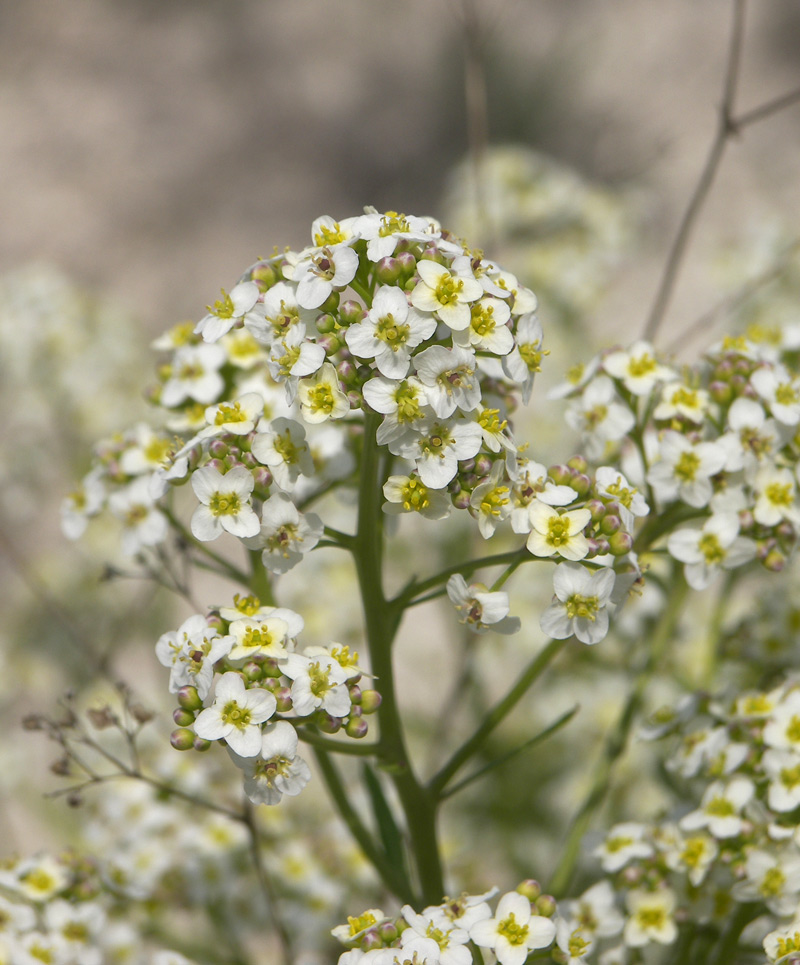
x,y
767,109
725,128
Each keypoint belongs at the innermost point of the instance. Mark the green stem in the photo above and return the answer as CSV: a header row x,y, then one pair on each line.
x,y
617,740
729,942
389,875
336,747
224,566
410,595
496,715
382,619
259,580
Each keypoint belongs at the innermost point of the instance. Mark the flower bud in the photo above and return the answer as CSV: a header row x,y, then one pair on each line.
x,y
189,699
597,508
388,271
270,668
461,500
388,932
356,727
774,561
407,263
331,303
217,464
466,465
598,546
581,483
546,905
370,940
578,463
264,276
330,343
327,723
610,524
249,460
561,475
201,744
483,465
182,739
620,544
351,312
355,694
530,888
218,449
183,718
253,671
325,323
370,701
354,398
346,371
262,478
284,699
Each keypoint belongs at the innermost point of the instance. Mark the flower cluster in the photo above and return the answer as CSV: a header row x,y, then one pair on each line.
x,y
736,849
260,678
441,934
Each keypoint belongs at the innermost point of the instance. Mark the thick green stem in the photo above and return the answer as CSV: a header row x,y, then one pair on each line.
x,y
496,715
382,619
617,740
259,579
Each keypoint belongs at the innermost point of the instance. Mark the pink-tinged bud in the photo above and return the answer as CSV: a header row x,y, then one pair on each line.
x,y
746,520
182,739
356,727
561,475
610,524
325,324
262,478
598,546
581,483
330,343
632,875
189,699
408,264
466,465
578,463
620,544
264,276
327,723
354,398
217,449
546,905
370,701
483,465
201,744
764,548
597,508
370,940
774,561
331,303
530,888
724,370
273,685
469,480
738,383
284,699
253,671
749,392
249,460
388,271
234,452
784,530
461,500
346,371
356,711
351,312
355,694
217,464
183,718
270,668
388,932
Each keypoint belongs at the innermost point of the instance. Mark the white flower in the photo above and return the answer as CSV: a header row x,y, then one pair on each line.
x,y
684,469
490,501
705,551
679,400
293,357
264,637
720,807
150,450
780,391
694,855
623,843
574,941
487,330
554,532
236,418
650,918
236,715
783,769
596,911
436,446
451,379
224,503
751,438
771,878
434,939
321,397
613,485
404,404
281,314
191,652
382,232
194,374
389,331
408,494
230,309
319,682
284,450
783,942
447,292
599,415
525,360
775,497
78,508
581,608
320,272
286,534
637,368
143,524
480,609
514,931
276,770
783,728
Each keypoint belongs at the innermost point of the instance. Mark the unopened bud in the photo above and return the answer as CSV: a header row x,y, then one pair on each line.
x,y
327,723
578,463
262,478
183,718
774,561
264,276
610,524
253,671
346,371
597,508
189,699
388,271
325,324
369,940
61,767
182,739
483,465
370,701
581,483
561,475
331,303
355,694
407,263
356,727
284,699
101,717
351,312
201,744
546,905
388,932
620,544
218,449
461,500
530,888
